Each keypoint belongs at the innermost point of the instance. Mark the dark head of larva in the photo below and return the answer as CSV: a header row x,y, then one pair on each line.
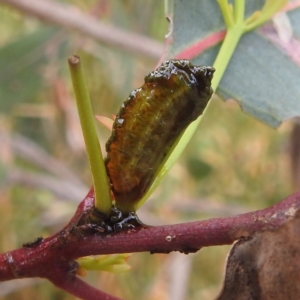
x,y
175,66
198,76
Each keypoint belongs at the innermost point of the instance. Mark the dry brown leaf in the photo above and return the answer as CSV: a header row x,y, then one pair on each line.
x,y
265,266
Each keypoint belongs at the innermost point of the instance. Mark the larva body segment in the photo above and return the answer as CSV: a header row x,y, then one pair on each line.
x,y
148,124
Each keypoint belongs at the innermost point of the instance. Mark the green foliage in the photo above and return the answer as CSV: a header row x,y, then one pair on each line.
x,y
260,60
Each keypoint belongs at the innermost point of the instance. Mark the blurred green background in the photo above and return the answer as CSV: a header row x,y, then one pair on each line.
x,y
234,164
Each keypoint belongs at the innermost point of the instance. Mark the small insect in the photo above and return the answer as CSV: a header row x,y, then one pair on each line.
x,y
148,124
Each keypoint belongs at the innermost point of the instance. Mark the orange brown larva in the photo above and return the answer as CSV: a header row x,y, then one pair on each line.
x,y
148,124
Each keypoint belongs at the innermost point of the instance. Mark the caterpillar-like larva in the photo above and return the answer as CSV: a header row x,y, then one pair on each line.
x,y
148,124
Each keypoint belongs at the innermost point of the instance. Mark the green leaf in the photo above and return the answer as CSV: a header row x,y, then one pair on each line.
x,y
195,20
261,75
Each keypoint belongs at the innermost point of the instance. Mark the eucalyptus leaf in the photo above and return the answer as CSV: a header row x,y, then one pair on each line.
x,y
261,76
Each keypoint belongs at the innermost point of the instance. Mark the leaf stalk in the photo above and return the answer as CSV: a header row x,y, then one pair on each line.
x,y
103,202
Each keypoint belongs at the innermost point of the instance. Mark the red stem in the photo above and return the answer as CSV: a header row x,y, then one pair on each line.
x,y
54,257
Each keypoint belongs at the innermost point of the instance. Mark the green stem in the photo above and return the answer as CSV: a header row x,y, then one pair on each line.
x,y
227,49
226,12
103,200
230,42
239,13
233,35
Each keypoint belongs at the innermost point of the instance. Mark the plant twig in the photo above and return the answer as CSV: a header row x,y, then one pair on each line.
x,y
33,153
61,188
70,17
73,242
